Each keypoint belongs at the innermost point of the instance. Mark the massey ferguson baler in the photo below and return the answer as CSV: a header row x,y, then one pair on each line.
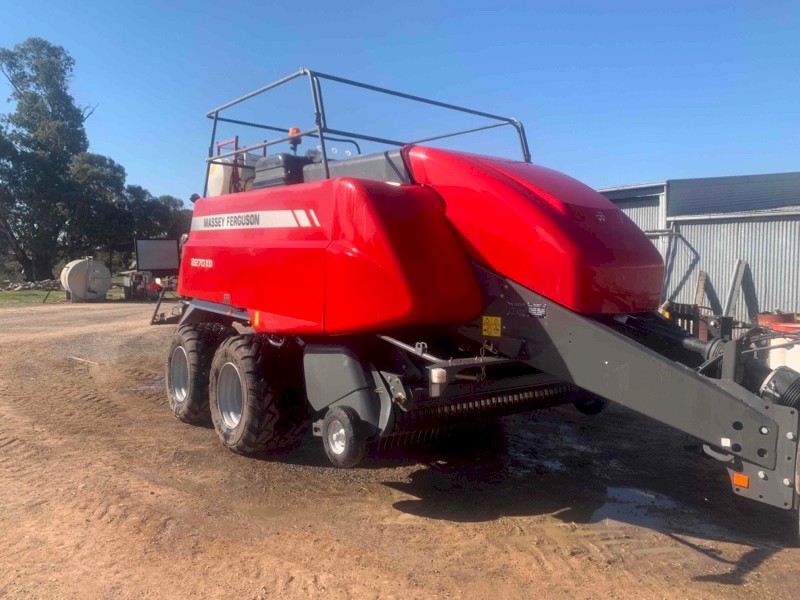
x,y
389,296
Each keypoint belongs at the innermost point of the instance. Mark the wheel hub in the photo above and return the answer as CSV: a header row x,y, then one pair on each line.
x,y
230,395
336,437
179,374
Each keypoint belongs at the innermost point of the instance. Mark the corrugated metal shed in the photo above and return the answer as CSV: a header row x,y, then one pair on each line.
x,y
642,211
643,203
708,224
770,245
732,194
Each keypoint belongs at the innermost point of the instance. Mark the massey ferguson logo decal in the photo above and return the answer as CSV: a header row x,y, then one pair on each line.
x,y
262,219
232,221
600,216
205,263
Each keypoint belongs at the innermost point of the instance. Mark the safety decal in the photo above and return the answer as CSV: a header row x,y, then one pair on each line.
x,y
492,326
526,309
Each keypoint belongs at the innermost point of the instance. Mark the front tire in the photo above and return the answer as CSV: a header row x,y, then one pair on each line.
x,y
254,405
343,437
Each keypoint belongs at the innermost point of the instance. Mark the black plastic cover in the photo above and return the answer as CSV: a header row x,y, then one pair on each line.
x,y
383,166
279,169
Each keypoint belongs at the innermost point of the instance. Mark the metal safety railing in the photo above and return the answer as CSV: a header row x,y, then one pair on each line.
x,y
322,132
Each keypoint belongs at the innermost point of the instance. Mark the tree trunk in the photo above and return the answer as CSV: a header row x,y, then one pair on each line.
x,y
42,268
19,252
27,267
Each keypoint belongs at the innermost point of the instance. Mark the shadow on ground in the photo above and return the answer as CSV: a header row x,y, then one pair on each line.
x,y
620,467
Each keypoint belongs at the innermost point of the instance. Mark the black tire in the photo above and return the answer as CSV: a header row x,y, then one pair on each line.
x,y
270,412
588,403
343,437
187,384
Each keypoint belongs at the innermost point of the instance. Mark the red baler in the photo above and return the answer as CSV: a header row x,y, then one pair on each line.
x,y
397,294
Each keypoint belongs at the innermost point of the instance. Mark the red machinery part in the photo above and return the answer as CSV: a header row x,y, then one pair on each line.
x,y
545,230
331,257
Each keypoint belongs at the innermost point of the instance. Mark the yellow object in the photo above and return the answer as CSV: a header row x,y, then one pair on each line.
x,y
492,326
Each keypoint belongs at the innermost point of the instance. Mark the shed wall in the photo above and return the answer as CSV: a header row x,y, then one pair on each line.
x,y
769,242
771,247
732,194
643,211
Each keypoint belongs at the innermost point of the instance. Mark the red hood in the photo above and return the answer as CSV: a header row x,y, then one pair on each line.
x,y
545,230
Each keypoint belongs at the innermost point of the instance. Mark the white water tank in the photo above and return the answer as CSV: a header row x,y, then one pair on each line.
x,y
220,172
86,279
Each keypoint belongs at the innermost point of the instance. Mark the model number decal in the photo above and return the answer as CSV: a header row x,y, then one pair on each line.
x,y
205,263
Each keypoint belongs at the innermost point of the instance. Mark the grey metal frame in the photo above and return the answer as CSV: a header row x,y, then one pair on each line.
x,y
757,435
321,130
451,367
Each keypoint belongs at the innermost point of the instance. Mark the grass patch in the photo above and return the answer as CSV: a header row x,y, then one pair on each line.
x,y
23,297
28,297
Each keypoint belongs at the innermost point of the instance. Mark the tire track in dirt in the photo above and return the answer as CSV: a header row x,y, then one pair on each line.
x,y
84,426
59,427
94,402
636,555
582,554
103,494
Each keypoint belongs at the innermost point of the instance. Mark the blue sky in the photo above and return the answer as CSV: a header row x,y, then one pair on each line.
x,y
610,92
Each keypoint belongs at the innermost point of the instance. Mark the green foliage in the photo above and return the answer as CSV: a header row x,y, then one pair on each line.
x,y
56,198
98,217
46,120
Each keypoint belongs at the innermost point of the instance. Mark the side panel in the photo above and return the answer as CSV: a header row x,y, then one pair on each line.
x,y
332,373
336,376
265,251
545,230
338,256
395,261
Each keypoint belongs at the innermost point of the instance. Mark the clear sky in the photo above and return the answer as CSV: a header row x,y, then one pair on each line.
x,y
610,92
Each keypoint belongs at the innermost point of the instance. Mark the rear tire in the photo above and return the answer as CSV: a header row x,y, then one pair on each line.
x,y
254,404
343,437
188,360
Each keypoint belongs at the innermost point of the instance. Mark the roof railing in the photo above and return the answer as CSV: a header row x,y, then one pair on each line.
x,y
321,131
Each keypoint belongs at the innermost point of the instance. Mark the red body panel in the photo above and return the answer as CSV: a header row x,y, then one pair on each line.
x,y
545,230
330,257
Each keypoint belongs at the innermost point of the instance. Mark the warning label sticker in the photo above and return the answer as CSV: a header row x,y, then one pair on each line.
x,y
526,309
492,326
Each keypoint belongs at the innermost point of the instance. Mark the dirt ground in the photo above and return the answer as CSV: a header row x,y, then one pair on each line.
x,y
103,494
